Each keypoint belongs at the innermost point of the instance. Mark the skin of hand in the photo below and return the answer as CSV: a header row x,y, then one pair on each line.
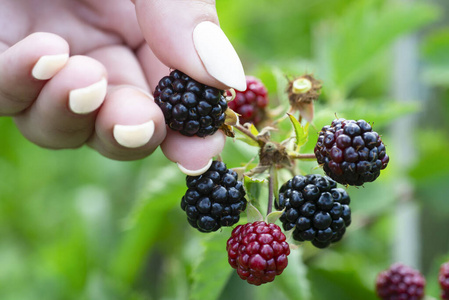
x,y
81,72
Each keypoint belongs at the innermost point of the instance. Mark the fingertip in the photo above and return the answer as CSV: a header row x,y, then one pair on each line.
x,y
197,171
129,125
192,154
185,35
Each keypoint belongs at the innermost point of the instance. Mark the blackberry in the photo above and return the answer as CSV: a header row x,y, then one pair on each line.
x,y
400,282
443,279
190,107
214,199
315,208
351,152
258,251
251,103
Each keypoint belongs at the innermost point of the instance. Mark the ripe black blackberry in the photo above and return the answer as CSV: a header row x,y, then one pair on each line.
x,y
190,107
351,152
443,279
214,199
316,208
400,282
258,251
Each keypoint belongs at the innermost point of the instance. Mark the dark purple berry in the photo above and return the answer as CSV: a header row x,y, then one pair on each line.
x,y
350,152
400,282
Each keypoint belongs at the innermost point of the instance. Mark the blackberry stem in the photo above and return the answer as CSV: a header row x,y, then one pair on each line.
x,y
245,131
271,179
302,156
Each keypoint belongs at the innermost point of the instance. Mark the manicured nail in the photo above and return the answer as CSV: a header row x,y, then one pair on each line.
x,y
133,136
48,65
218,55
86,100
195,172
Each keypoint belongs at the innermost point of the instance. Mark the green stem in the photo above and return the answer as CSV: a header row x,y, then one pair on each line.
x,y
303,156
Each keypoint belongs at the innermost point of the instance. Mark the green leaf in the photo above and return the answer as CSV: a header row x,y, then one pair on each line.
x,y
301,132
212,272
143,227
293,282
252,187
350,46
253,214
274,216
338,284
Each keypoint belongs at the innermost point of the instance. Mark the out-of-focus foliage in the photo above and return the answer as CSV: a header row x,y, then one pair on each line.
x,y
75,225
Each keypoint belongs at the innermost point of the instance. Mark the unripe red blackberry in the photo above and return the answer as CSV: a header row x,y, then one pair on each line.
x,y
214,199
258,251
443,279
190,107
251,103
400,282
317,210
351,152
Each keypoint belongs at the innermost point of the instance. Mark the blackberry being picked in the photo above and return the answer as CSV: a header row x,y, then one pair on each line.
x,y
258,251
251,103
316,208
190,107
351,152
443,279
214,199
400,282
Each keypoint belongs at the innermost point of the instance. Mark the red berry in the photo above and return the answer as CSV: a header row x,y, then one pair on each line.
x,y
443,279
258,251
251,103
400,282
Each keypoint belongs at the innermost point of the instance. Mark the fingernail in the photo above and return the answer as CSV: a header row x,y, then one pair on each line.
x,y
195,172
86,100
133,136
218,55
48,65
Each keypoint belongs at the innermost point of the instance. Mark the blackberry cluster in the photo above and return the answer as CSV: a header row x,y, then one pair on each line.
x,y
251,103
258,251
214,199
351,152
316,208
443,279
400,282
190,107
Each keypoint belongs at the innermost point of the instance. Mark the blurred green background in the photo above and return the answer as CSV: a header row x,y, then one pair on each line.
x,y
75,225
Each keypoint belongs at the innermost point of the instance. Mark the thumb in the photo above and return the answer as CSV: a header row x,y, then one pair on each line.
x,y
185,35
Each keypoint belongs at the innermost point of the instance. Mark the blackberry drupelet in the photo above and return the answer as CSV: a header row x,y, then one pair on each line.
x,y
400,282
251,103
351,152
258,251
190,107
443,279
214,199
315,208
